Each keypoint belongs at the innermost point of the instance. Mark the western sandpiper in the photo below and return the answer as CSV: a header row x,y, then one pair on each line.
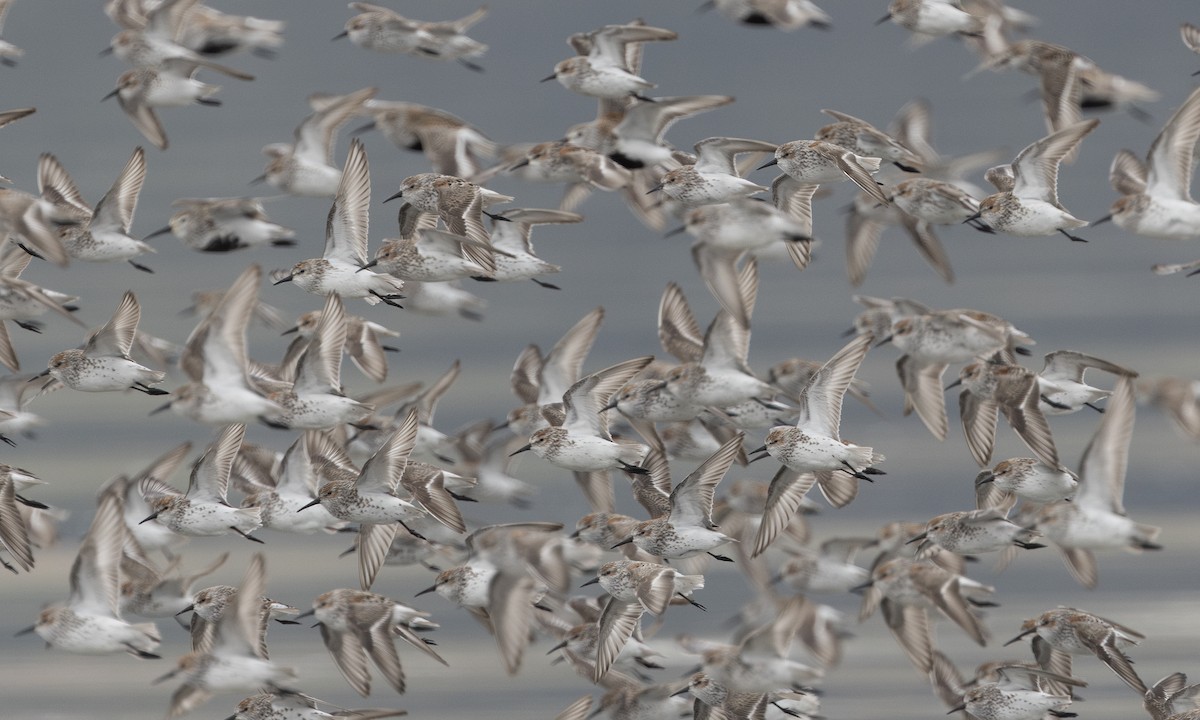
x,y
1030,206
235,662
458,203
1060,383
515,258
713,178
169,83
306,168
638,137
1096,519
908,589
1156,197
812,450
342,267
1026,479
105,235
929,19
215,360
104,363
601,68
450,144
863,138
224,224
315,400
364,342
295,487
1065,631
582,442
356,625
975,531
90,621
688,529
384,30
203,509
992,387
271,706
819,162
498,581
787,15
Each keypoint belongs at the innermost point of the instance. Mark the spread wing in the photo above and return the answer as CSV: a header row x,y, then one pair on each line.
x,y
348,223
692,499
1102,468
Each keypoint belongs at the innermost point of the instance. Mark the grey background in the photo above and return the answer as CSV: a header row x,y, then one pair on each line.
x,y
1098,298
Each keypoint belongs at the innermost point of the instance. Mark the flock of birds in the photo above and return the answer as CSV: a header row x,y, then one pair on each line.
x,y
377,466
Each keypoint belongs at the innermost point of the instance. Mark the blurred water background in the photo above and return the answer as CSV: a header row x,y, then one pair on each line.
x,y
1098,298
